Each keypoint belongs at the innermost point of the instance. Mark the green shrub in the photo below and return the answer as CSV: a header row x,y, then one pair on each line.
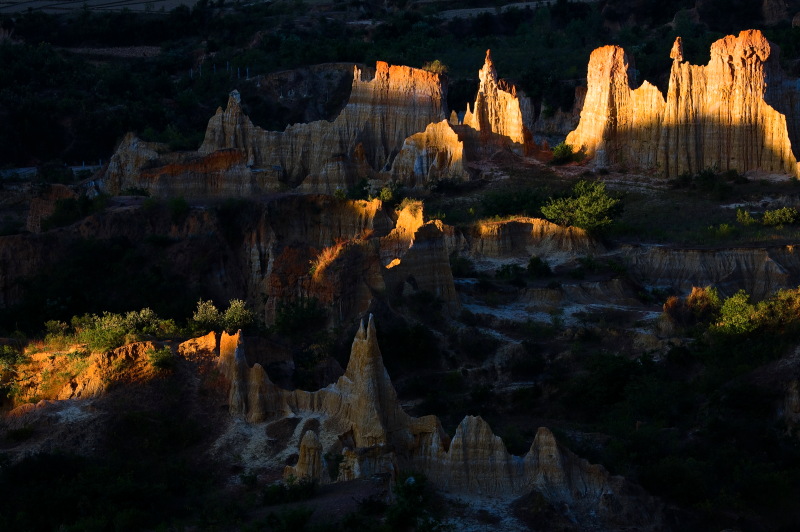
x,y
563,153
237,316
10,357
69,210
744,217
161,359
538,267
589,207
513,273
101,333
737,314
206,316
461,266
780,217
386,194
435,66
501,203
292,490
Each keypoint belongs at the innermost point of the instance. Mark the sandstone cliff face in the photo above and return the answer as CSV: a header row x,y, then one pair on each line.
x,y
714,116
274,252
380,114
76,374
131,156
529,236
361,416
436,153
500,115
759,271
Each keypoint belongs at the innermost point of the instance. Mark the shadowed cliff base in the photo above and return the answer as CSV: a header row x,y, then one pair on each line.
x,y
691,148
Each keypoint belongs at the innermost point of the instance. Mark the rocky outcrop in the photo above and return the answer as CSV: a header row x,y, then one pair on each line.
x,y
359,416
618,124
501,116
425,267
436,153
242,158
758,271
75,373
131,156
309,462
529,236
714,116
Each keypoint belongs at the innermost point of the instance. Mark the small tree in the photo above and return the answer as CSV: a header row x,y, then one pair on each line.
x,y
737,314
780,217
207,317
435,66
237,316
590,207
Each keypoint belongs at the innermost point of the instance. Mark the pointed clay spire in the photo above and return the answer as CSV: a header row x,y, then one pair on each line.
x,y
361,334
677,50
488,61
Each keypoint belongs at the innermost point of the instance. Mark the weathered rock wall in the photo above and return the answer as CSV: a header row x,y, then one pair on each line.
x,y
361,412
501,115
380,114
714,116
758,271
436,153
529,236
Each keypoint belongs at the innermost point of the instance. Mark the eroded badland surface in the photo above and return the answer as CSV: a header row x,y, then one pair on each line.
x,y
425,348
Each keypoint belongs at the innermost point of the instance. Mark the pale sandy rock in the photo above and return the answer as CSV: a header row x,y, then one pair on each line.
x,y
618,124
714,116
501,114
529,236
238,158
128,159
436,153
203,347
426,265
759,271
310,464
395,245
361,418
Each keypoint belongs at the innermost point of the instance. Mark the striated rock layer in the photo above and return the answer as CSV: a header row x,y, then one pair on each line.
x,y
436,153
501,114
381,113
760,272
714,116
359,417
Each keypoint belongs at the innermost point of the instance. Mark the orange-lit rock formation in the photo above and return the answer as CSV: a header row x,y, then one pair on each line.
x,y
714,116
360,417
381,113
529,236
436,153
501,113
